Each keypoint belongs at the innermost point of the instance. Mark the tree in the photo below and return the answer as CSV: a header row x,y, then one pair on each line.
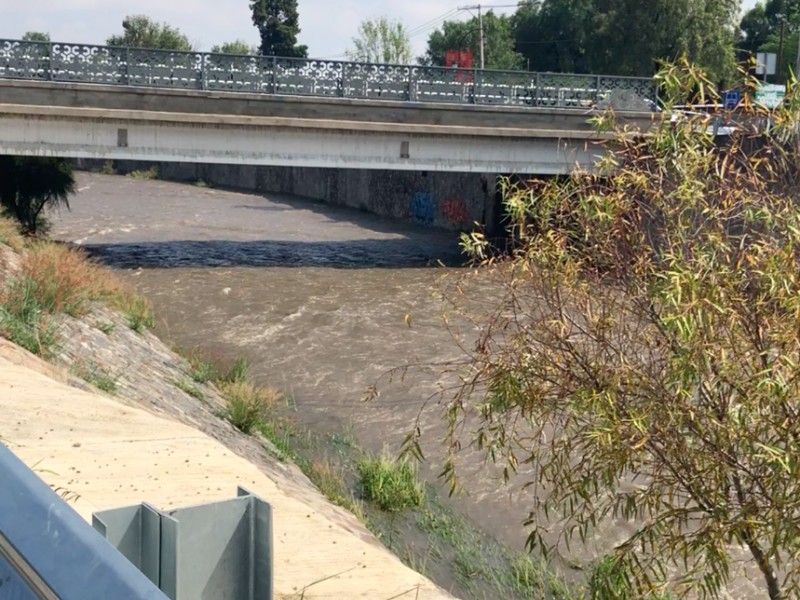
x,y
36,36
235,47
773,27
142,32
381,41
627,37
643,362
279,24
499,50
28,186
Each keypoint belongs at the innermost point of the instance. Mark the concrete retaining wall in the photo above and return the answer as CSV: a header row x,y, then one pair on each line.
x,y
448,200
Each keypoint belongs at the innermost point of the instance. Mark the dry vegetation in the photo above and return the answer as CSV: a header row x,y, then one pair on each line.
x,y
53,279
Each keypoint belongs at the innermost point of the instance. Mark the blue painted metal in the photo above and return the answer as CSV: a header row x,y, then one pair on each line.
x,y
48,551
86,63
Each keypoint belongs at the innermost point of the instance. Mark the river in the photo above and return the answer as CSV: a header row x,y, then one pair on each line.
x,y
318,298
321,300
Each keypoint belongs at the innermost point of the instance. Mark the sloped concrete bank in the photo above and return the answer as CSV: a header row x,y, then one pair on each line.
x,y
153,442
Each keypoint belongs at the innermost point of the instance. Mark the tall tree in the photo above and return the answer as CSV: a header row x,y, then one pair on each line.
x,y
499,50
36,36
278,24
773,27
28,186
235,47
381,41
627,37
140,31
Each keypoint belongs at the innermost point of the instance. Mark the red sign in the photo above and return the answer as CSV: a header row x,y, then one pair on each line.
x,y
461,59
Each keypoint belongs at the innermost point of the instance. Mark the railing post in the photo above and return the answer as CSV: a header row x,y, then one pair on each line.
x,y
597,91
203,82
412,86
274,78
537,91
343,81
128,66
49,61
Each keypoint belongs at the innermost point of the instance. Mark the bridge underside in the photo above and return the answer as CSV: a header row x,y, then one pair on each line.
x,y
115,134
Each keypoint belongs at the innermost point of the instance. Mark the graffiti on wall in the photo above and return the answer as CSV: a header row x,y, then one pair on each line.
x,y
455,211
421,207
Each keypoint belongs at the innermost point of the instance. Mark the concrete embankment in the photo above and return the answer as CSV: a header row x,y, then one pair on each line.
x,y
152,442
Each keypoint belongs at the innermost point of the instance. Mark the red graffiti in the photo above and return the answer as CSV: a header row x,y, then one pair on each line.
x,y
455,210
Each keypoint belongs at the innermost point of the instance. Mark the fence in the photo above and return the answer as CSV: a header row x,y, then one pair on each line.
x,y
86,63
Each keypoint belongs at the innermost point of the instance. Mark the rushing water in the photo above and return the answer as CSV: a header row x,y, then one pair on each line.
x,y
318,298
315,296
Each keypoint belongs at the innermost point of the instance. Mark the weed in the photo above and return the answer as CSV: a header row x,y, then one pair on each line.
x,y
136,309
107,168
247,405
237,372
10,234
24,321
278,437
201,370
62,280
97,375
200,183
188,388
390,483
107,328
151,173
330,481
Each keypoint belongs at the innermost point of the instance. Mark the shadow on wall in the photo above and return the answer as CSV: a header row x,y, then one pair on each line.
x,y
351,254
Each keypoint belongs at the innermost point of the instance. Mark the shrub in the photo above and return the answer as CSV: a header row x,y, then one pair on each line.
x,y
390,483
151,173
24,321
10,234
247,404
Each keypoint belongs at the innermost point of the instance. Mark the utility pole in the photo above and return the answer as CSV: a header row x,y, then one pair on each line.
x,y
797,63
480,27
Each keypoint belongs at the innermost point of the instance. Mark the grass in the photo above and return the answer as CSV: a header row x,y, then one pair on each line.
x,y
247,404
24,321
97,375
107,328
205,370
56,279
10,235
151,173
188,388
107,168
390,483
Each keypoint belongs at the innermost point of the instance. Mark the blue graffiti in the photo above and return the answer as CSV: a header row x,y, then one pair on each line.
x,y
421,207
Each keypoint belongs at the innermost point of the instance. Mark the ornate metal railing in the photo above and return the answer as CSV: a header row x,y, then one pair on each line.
x,y
86,63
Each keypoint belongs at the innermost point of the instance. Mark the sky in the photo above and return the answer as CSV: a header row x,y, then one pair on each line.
x,y
328,26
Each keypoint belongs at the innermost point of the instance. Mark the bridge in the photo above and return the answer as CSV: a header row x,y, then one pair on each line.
x,y
87,101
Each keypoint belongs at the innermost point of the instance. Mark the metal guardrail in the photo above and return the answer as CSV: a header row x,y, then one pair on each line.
x,y
86,63
48,552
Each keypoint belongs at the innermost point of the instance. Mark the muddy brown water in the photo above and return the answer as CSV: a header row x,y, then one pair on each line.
x,y
314,296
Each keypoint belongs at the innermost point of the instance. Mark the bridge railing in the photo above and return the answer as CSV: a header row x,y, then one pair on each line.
x,y
87,63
